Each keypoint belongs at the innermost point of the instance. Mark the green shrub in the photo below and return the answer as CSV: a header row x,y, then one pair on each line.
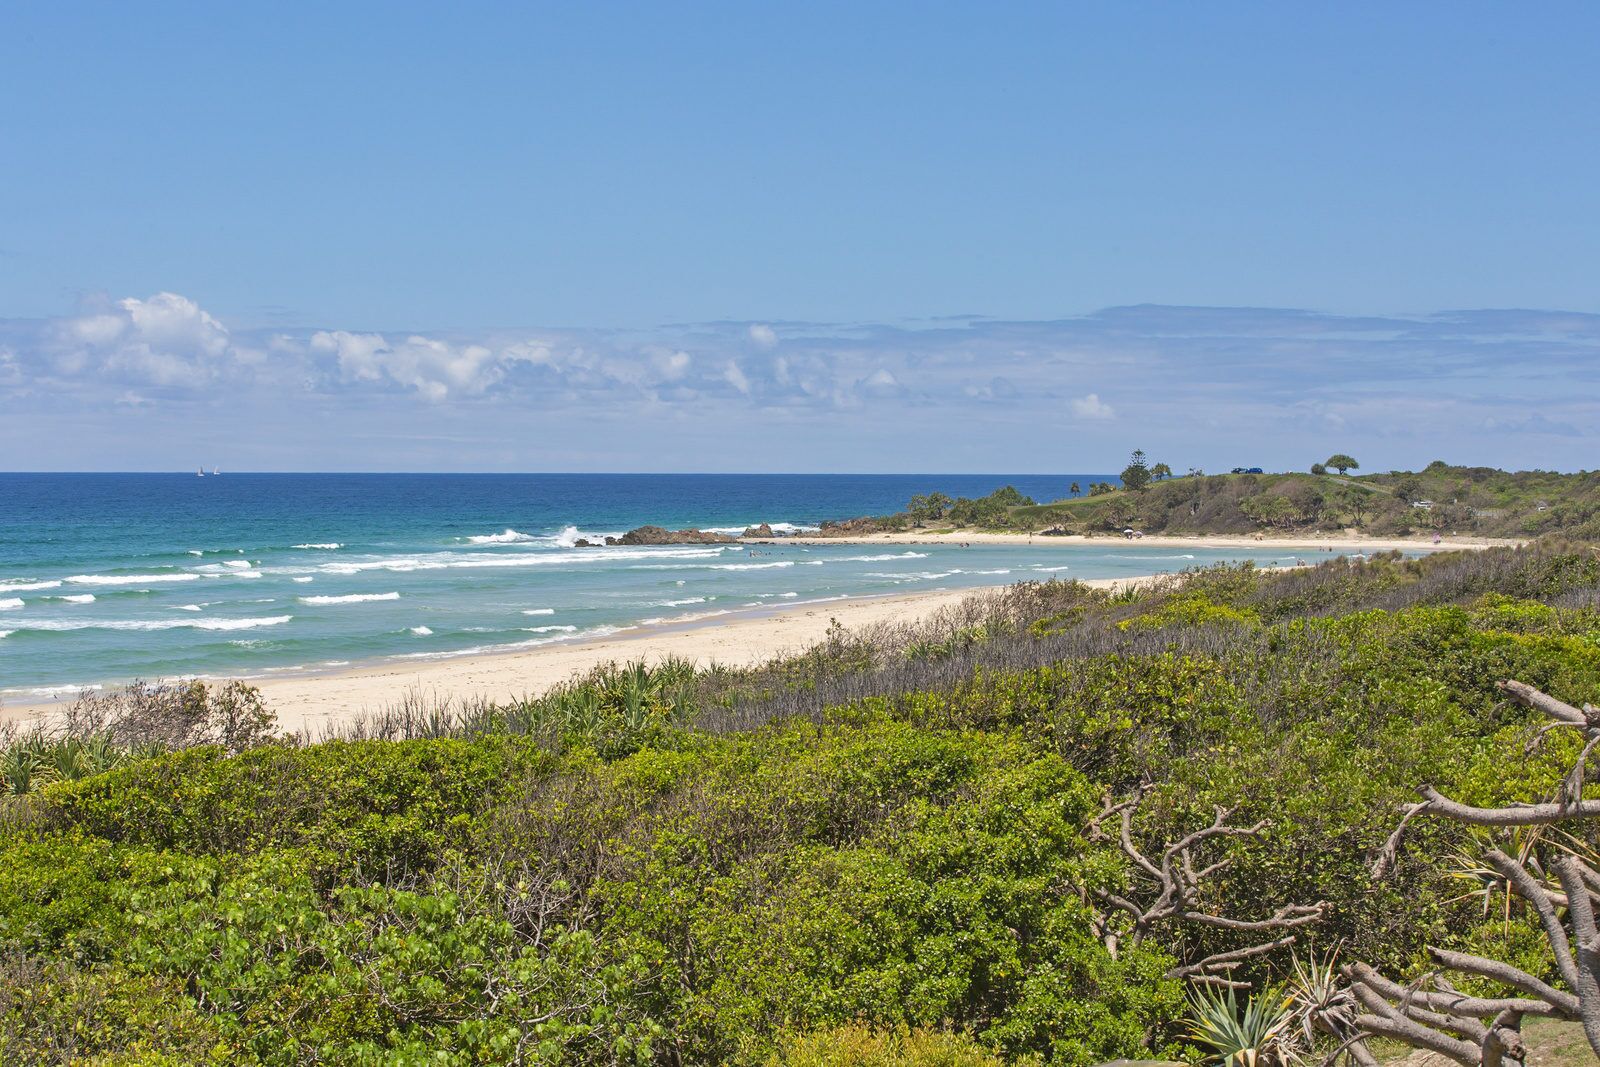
x,y
861,1046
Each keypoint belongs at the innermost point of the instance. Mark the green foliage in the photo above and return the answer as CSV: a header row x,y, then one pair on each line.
x,y
860,1046
1465,500
1342,463
646,866
1136,475
1258,1032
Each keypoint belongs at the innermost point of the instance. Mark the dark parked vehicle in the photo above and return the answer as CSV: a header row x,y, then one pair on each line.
x,y
1247,470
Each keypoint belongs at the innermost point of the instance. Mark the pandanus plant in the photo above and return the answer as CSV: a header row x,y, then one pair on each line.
x,y
1258,1033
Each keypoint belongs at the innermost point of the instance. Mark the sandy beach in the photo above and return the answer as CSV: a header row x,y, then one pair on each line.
x,y
313,702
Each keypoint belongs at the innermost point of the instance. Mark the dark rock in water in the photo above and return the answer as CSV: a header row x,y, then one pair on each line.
x,y
584,542
764,530
660,535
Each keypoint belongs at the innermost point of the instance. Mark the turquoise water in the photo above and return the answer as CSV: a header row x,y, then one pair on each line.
x,y
109,577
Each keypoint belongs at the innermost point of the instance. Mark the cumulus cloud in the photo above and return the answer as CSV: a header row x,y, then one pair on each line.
x,y
1244,374
1092,407
166,340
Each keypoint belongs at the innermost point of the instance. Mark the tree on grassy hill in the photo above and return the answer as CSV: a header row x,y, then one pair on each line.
x,y
1317,468
1136,475
1272,510
1101,488
1076,489
1355,501
1342,463
1160,471
1119,512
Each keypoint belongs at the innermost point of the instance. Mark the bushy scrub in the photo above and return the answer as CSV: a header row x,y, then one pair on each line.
x,y
848,858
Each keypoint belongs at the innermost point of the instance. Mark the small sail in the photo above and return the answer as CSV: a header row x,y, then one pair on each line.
x,y
201,473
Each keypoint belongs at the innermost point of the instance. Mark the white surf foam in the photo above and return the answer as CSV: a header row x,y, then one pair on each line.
x,y
10,603
571,535
55,625
73,598
352,598
538,611
422,631
532,642
486,561
778,529
129,579
51,690
325,546
27,587
507,537
913,576
679,603
303,579
694,616
553,629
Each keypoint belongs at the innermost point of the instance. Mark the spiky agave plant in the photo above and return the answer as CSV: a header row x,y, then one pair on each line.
x,y
1320,1001
1258,1033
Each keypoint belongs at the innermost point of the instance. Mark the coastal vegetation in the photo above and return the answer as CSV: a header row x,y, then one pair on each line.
x,y
949,843
1445,499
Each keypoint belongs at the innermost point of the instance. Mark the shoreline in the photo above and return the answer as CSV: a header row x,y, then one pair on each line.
x,y
1310,542
311,703
310,700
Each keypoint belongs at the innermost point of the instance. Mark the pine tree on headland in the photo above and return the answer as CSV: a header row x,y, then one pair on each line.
x,y
1136,475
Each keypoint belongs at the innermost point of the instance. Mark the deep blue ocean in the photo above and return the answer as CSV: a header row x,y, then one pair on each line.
x,y
109,577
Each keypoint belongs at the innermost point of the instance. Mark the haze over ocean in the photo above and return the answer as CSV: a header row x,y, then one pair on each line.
x,y
108,577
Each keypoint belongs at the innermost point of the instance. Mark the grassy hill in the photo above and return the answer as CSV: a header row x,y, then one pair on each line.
x,y
1470,501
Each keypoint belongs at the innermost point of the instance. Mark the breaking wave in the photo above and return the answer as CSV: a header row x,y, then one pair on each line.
x,y
351,598
56,625
507,537
129,579
27,587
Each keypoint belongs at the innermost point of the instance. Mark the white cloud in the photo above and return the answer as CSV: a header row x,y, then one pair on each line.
x,y
166,340
1092,407
435,369
1193,373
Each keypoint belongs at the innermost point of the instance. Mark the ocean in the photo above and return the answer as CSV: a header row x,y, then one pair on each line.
x,y
105,578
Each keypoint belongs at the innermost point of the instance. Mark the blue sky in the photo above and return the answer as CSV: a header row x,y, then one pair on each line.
x,y
802,237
